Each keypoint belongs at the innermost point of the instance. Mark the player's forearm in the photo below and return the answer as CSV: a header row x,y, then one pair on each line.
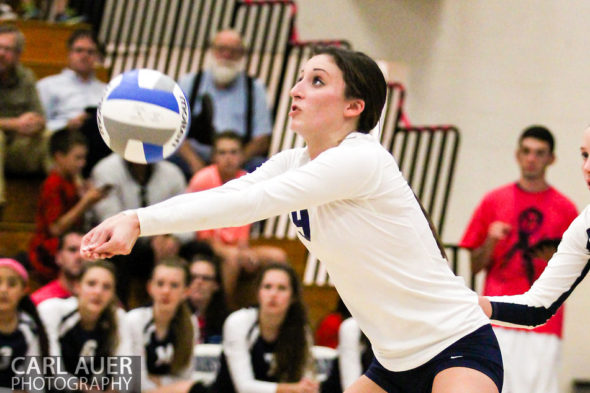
x,y
9,124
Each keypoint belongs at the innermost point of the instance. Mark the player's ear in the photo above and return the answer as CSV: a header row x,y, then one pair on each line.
x,y
354,107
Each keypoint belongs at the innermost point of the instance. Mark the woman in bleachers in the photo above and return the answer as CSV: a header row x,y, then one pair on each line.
x,y
90,325
267,348
21,330
207,298
165,333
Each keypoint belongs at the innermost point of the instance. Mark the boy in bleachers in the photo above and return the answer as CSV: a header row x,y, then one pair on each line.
x,y
62,202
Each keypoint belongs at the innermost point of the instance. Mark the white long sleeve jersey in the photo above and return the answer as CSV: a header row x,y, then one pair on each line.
x,y
566,269
357,214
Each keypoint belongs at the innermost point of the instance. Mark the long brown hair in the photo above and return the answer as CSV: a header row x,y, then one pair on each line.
x,y
291,351
181,325
107,322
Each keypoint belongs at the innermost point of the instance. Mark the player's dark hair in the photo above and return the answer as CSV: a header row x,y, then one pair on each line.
x,y
64,140
291,351
181,324
27,306
216,311
538,132
363,79
107,322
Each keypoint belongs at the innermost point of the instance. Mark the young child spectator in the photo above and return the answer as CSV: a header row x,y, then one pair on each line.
x,y
90,325
70,262
21,330
207,298
232,244
62,202
267,349
164,334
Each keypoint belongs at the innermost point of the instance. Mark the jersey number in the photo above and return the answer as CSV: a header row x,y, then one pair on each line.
x,y
301,221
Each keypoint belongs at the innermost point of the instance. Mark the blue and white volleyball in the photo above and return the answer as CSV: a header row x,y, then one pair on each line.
x,y
143,116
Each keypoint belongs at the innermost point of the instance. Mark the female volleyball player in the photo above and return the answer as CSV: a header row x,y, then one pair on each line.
x,y
565,270
267,349
165,333
90,325
357,214
21,331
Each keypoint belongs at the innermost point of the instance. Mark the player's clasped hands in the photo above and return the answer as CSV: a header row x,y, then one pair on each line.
x,y
306,385
116,235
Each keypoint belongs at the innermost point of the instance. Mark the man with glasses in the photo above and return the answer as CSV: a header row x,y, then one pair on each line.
x,y
23,143
224,97
70,98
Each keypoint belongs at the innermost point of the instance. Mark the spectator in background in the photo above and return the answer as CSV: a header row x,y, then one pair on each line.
x,y
164,333
71,97
506,230
23,142
63,201
326,333
268,348
65,96
224,97
231,244
69,261
207,298
90,325
132,186
21,330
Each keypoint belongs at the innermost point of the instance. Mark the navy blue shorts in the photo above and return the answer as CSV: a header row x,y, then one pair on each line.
x,y
478,350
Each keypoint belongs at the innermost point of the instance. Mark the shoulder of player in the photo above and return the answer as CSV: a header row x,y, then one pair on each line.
x,y
139,316
57,307
242,319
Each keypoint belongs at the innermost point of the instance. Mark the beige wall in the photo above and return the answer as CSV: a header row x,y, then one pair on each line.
x,y
491,67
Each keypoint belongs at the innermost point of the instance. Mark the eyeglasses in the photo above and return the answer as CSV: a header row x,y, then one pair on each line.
x,y
233,51
204,277
8,48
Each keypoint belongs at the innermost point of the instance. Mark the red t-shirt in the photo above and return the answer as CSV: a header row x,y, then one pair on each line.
x,y
534,217
326,334
58,195
205,179
52,290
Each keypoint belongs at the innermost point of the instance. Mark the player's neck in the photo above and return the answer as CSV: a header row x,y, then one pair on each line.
x,y
319,143
533,185
270,326
8,322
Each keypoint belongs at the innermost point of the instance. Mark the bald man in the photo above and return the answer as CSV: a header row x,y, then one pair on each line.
x,y
224,97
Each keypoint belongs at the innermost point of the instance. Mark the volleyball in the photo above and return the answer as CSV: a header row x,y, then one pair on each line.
x,y
143,115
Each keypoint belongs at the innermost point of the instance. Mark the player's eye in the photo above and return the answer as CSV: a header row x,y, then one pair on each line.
x,y
317,81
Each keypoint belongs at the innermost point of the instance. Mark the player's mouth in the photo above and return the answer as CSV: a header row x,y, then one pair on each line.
x,y
294,109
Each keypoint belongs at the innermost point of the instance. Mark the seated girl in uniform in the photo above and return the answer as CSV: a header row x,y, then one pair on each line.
x,y
354,357
21,330
207,298
165,333
90,325
267,348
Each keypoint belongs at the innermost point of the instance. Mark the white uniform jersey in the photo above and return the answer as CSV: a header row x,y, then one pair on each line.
x,y
156,355
357,214
566,269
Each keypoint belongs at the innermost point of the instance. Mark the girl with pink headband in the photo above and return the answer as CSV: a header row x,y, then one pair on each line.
x,y
21,330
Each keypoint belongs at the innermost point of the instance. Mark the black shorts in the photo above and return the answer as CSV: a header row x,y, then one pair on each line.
x,y
478,350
